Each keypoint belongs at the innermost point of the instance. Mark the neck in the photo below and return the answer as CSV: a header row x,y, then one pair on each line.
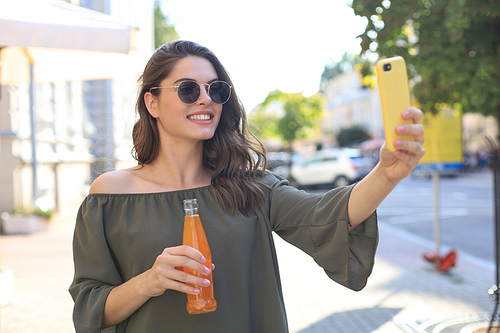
x,y
180,166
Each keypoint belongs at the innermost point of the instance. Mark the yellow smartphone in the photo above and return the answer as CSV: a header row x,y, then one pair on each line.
x,y
394,97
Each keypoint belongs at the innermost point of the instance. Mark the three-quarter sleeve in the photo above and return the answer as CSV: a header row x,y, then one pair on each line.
x,y
95,271
319,225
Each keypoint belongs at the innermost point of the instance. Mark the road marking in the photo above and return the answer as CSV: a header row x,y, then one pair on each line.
x,y
427,216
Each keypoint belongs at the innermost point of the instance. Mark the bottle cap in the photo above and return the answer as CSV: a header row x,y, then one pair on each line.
x,y
191,207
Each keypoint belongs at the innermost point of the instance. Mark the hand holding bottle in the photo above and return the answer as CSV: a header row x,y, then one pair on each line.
x,y
167,271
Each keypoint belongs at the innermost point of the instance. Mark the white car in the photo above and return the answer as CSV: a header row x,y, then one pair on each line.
x,y
338,167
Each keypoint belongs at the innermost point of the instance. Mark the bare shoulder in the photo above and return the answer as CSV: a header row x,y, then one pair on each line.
x,y
119,181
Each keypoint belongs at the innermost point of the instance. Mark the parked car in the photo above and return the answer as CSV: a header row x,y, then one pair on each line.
x,y
277,159
338,167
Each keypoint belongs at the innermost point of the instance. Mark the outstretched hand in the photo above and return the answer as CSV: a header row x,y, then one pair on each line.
x,y
399,164
369,193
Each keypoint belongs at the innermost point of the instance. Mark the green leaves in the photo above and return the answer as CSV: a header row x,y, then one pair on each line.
x,y
451,46
164,30
288,116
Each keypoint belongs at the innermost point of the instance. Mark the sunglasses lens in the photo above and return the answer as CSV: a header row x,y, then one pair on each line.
x,y
188,92
220,92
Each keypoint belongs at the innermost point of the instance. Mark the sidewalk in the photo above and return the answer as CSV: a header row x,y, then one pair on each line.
x,y
404,293
42,266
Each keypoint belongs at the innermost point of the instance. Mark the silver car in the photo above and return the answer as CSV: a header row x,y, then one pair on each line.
x,y
338,167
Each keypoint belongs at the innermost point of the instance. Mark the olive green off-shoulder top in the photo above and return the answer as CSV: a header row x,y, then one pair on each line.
x,y
119,236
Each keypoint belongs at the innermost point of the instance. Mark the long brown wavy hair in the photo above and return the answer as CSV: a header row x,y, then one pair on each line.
x,y
237,176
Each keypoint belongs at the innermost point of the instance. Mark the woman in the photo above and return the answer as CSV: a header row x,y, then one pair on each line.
x,y
192,141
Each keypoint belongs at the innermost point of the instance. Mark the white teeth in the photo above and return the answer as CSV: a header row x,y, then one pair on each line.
x,y
200,117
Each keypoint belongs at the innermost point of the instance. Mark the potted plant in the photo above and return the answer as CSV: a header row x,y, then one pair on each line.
x,y
25,221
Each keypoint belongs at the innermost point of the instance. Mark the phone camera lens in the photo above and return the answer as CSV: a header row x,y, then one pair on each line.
x,y
387,67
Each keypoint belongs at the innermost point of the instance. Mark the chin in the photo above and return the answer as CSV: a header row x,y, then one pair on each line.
x,y
205,136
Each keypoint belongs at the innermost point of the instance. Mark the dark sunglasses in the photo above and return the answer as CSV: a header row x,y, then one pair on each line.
x,y
189,91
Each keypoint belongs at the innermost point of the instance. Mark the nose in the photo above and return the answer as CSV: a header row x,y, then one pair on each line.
x,y
204,96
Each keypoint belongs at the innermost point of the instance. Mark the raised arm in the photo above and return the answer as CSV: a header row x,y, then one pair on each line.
x,y
369,193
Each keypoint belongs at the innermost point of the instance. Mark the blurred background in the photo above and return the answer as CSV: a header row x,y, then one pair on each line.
x,y
304,72
305,76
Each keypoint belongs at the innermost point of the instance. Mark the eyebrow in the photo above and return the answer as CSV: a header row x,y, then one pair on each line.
x,y
189,79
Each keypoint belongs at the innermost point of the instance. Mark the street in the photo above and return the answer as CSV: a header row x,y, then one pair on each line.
x,y
466,212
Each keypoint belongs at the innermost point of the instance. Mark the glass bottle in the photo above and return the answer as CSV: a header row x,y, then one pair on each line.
x,y
194,236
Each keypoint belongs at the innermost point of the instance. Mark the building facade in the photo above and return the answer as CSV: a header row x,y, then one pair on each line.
x,y
350,104
83,128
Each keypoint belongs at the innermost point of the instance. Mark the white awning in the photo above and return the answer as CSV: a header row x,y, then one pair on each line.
x,y
59,25
62,42
42,40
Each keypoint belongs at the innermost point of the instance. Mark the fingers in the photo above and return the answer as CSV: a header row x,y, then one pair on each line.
x,y
171,278
414,114
416,129
179,268
411,151
186,256
186,277
407,150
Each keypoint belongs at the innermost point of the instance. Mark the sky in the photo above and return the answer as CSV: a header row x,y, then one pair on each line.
x,y
270,44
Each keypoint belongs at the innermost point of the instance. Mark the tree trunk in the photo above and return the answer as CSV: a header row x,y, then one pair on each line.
x,y
498,124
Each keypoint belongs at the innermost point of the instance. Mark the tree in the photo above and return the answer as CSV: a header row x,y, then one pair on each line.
x,y
164,30
348,63
352,135
289,116
451,47
334,69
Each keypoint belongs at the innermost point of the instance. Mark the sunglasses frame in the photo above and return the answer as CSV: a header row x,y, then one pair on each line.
x,y
200,86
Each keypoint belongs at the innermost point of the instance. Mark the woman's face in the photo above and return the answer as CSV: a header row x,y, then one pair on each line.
x,y
177,120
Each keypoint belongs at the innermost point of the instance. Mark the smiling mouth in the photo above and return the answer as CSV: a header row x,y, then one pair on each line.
x,y
200,117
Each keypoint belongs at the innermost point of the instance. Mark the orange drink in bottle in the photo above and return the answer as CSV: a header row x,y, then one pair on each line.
x,y
194,236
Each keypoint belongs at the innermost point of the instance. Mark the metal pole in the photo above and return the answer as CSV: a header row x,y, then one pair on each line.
x,y
34,161
495,166
437,236
494,291
496,177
